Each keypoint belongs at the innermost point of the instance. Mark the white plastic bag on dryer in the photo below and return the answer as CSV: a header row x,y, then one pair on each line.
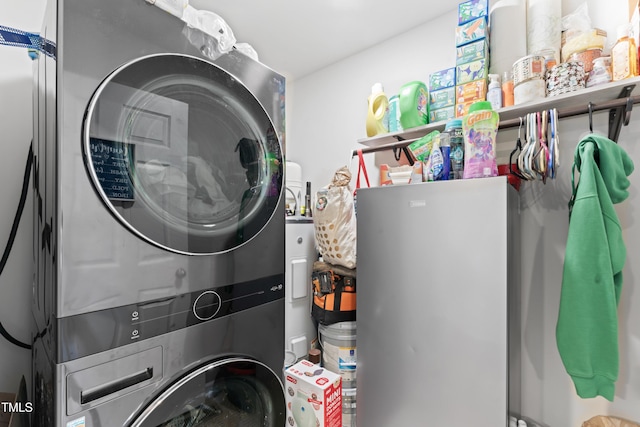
x,y
247,49
334,221
208,32
174,7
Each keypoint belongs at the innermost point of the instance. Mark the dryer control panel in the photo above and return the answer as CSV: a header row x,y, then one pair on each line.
x,y
94,332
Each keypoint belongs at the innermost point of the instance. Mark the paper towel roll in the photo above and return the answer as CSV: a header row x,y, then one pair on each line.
x,y
508,40
544,26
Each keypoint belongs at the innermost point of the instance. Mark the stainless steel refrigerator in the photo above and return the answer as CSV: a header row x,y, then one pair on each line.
x,y
438,304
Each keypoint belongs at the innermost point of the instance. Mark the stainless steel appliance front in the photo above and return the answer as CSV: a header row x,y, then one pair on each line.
x,y
157,190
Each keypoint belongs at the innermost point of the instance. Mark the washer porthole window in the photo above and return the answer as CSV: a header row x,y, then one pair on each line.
x,y
233,392
183,154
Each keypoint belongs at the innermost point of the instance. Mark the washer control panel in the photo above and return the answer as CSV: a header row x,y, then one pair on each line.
x,y
207,305
123,325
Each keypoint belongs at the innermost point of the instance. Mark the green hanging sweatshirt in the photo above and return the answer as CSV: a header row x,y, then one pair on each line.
x,y
587,328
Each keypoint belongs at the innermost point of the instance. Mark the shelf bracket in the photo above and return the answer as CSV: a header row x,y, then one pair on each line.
x,y
397,154
620,115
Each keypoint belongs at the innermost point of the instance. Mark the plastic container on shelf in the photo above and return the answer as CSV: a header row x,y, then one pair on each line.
x,y
494,92
624,56
394,114
456,148
480,128
414,105
601,72
507,89
377,113
445,149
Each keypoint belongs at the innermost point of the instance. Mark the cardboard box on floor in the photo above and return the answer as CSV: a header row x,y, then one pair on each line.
x,y
314,396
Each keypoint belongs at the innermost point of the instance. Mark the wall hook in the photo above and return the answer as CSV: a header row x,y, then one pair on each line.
x,y
590,116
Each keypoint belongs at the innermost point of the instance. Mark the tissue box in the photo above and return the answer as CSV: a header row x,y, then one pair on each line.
x,y
442,98
442,79
314,396
472,52
471,71
472,91
471,31
472,9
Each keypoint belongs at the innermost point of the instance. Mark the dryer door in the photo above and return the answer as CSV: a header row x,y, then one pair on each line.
x,y
183,154
232,392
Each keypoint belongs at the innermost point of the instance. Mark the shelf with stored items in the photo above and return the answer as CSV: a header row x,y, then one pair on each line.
x,y
617,97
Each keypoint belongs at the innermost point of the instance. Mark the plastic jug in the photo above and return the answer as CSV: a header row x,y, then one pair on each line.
x,y
414,109
378,111
480,128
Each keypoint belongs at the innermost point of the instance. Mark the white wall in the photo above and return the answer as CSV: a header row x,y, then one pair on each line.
x,y
15,128
326,115
328,119
331,104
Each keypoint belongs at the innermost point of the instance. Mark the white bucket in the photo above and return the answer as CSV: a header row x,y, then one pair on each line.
x,y
339,350
348,407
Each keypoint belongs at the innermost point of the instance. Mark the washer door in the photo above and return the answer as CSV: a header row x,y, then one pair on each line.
x,y
183,154
228,393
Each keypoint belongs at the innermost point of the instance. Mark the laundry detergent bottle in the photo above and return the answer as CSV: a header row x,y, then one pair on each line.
x,y
480,129
377,115
414,110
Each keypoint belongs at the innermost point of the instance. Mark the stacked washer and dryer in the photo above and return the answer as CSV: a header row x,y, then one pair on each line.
x,y
158,226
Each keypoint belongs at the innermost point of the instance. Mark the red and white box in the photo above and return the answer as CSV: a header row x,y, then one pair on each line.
x,y
314,396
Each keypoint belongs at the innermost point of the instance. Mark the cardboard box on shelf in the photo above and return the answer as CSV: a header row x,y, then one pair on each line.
x,y
442,79
472,52
314,396
471,71
472,9
442,98
463,109
442,114
471,31
475,90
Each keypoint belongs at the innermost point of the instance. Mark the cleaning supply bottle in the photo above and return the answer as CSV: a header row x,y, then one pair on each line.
x,y
456,151
480,128
494,91
414,110
377,115
394,114
445,149
624,59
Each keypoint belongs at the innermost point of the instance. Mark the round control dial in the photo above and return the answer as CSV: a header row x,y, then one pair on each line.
x,y
207,305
